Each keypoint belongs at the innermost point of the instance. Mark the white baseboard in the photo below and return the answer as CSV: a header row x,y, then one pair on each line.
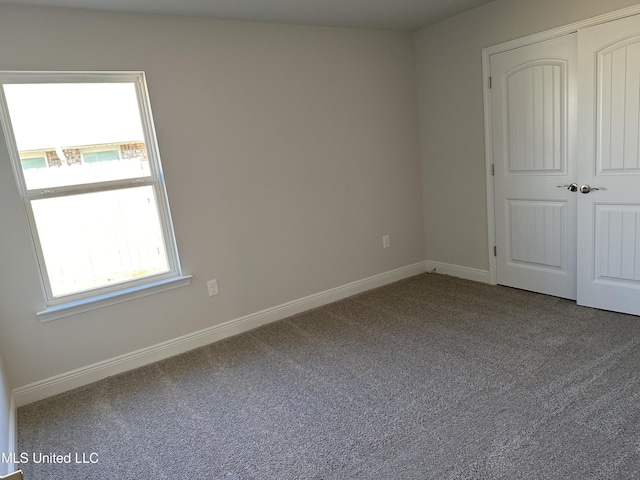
x,y
475,274
92,373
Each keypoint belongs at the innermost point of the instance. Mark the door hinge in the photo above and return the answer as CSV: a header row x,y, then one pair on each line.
x,y
495,251
490,82
493,170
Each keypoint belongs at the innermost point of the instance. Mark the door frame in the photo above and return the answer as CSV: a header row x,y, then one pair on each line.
x,y
488,130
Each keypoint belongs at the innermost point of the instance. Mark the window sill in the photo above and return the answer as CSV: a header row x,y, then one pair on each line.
x,y
73,308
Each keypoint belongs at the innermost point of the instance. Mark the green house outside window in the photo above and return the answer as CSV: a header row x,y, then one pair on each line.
x,y
105,156
37,162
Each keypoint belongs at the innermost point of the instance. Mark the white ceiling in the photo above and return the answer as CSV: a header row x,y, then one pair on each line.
x,y
406,15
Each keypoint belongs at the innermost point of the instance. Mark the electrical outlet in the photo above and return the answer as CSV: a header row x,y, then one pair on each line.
x,y
386,241
212,285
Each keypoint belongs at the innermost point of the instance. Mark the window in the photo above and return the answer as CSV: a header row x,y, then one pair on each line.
x,y
94,192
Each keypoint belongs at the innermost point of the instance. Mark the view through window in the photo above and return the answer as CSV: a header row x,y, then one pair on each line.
x,y
88,169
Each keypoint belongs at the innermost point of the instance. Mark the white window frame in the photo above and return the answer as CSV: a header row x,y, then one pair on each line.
x,y
58,307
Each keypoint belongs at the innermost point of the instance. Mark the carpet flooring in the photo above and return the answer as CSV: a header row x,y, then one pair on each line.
x,y
432,377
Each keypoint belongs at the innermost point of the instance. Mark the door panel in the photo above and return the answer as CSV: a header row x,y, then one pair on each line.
x,y
617,107
533,120
534,108
609,132
537,233
617,252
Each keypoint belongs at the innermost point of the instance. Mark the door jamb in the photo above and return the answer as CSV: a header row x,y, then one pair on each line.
x,y
488,129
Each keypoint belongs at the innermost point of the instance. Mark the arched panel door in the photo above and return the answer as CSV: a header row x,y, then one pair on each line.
x,y
609,166
533,125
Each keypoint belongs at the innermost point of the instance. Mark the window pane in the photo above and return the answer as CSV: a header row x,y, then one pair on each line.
x,y
94,240
64,119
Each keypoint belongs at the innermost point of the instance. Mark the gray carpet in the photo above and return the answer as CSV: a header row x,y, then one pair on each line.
x,y
432,377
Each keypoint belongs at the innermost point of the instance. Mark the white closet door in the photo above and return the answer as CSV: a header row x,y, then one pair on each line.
x,y
533,124
609,161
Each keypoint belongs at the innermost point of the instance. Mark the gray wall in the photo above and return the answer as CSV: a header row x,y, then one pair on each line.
x,y
449,66
288,152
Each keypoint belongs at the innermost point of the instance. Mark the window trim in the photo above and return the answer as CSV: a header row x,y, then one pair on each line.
x,y
67,309
70,304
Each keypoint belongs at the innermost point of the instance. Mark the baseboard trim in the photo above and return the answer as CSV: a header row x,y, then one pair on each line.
x,y
97,371
467,273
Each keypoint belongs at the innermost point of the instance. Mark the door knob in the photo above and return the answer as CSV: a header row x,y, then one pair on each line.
x,y
572,187
587,189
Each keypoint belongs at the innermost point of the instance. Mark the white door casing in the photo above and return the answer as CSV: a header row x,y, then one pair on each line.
x,y
533,106
609,159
